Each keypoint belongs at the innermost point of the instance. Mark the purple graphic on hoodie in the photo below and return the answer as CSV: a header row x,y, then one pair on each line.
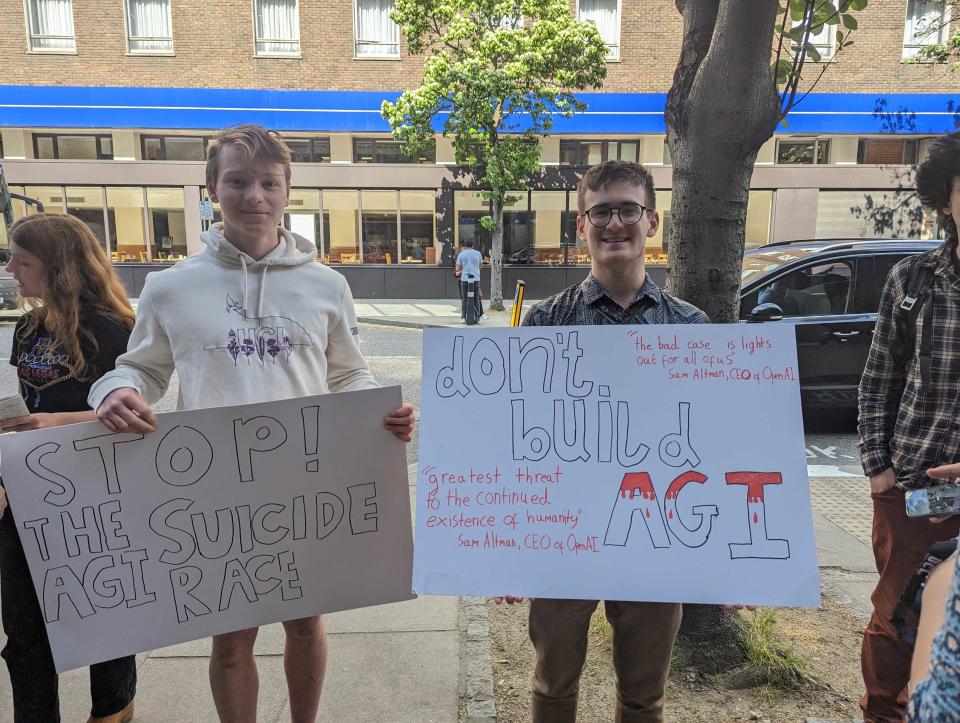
x,y
267,339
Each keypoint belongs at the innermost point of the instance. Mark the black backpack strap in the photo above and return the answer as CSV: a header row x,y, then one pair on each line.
x,y
919,286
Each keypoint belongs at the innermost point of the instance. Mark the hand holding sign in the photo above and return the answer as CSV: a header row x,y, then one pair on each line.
x,y
220,520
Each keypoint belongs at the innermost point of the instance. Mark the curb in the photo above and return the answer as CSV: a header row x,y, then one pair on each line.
x,y
396,322
478,704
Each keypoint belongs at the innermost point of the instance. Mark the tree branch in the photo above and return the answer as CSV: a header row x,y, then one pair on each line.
x,y
699,20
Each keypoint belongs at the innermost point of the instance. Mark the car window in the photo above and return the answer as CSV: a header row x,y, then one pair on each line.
x,y
820,289
871,285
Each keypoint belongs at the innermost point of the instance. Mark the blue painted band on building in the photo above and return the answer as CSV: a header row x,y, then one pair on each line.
x,y
359,111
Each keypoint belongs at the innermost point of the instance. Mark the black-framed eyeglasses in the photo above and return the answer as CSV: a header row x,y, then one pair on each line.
x,y
629,213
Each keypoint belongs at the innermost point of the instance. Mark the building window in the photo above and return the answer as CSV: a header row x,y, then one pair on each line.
x,y
149,27
926,25
309,150
277,27
377,35
51,25
825,41
803,152
590,153
883,151
605,14
380,150
94,147
173,148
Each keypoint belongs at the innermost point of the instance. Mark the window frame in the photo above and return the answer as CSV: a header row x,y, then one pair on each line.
x,y
127,16
357,55
54,137
613,51
818,144
257,40
419,161
907,157
910,49
28,14
605,145
163,146
315,157
829,49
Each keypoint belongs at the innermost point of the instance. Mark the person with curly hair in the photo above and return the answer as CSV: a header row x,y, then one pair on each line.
x,y
78,323
910,422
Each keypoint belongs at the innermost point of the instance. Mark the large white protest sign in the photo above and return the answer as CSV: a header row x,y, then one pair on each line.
x,y
221,519
658,463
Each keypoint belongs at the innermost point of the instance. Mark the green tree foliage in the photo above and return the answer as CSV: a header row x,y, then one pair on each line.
x,y
497,74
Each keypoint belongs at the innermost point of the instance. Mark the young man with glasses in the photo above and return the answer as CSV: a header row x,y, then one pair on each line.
x,y
617,214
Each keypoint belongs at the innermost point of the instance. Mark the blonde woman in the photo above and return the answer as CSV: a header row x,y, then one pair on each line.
x,y
78,324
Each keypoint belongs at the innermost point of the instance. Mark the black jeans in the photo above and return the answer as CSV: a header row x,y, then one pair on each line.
x,y
476,298
33,677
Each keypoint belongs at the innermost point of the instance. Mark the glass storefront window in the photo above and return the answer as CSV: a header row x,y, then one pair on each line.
x,y
655,251
379,227
168,230
50,196
470,208
87,205
340,227
417,213
517,242
547,209
128,231
303,216
759,210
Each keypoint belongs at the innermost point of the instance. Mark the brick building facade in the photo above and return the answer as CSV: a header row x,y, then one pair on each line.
x,y
108,103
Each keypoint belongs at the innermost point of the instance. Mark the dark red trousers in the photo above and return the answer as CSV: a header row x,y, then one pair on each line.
x,y
898,545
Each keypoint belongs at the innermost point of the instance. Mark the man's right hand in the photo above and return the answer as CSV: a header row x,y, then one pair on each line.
x,y
882,482
125,410
509,599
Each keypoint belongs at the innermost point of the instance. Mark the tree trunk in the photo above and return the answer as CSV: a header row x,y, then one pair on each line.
x,y
708,217
496,258
722,107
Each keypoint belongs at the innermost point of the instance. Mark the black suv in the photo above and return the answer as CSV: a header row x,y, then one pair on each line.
x,y
829,290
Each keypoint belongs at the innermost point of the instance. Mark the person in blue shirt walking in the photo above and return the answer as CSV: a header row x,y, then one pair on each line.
x,y
468,269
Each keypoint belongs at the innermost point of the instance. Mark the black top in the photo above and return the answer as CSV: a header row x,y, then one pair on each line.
x,y
46,379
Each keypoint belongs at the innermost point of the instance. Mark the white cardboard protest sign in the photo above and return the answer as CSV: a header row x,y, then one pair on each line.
x,y
221,519
656,463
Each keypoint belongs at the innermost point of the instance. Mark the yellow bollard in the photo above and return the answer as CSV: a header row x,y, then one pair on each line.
x,y
517,305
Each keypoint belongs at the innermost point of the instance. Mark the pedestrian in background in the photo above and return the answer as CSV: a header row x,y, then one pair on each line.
x,y
469,261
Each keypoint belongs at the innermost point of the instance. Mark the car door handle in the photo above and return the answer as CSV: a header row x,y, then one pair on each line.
x,y
844,335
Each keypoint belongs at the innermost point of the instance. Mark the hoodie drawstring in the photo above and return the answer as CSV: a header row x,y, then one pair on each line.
x,y
263,287
246,288
243,265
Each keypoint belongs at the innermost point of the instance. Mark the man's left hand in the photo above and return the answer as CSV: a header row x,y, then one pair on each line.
x,y
400,422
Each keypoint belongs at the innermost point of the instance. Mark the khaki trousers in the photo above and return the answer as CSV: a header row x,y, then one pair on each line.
x,y
643,635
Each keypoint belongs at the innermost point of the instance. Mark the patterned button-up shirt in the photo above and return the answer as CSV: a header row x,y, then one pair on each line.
x,y
902,424
588,303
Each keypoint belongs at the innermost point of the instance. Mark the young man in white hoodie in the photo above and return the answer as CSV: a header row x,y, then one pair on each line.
x,y
252,318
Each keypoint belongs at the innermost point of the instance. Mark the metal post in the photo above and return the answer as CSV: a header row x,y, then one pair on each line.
x,y
517,304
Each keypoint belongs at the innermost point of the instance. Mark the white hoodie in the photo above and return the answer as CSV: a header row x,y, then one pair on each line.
x,y
239,330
